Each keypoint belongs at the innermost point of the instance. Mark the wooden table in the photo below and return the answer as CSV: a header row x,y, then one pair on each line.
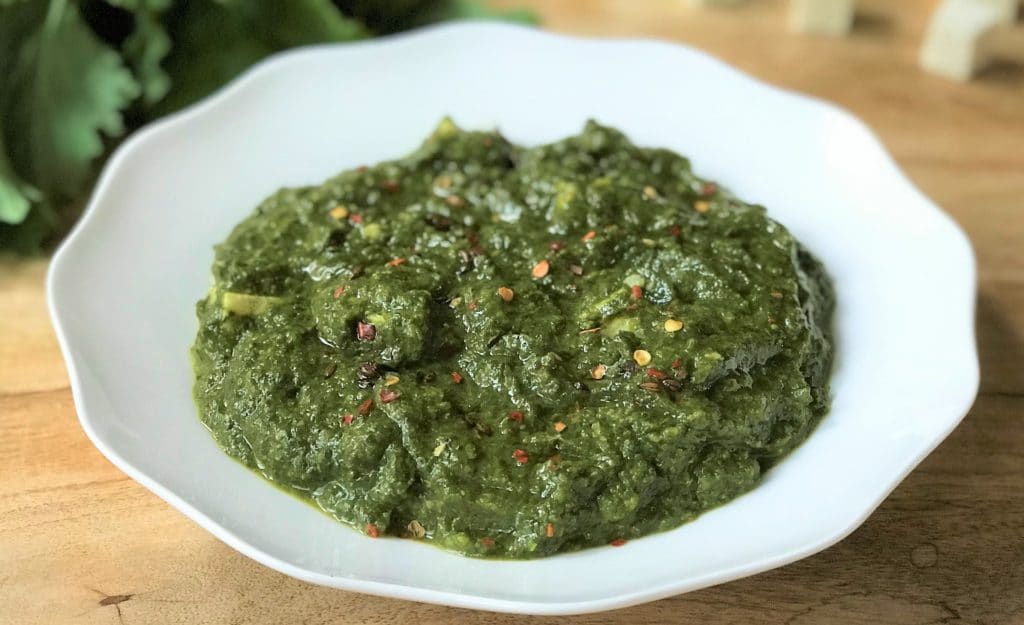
x,y
82,543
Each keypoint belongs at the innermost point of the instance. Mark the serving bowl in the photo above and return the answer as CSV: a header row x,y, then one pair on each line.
x,y
122,290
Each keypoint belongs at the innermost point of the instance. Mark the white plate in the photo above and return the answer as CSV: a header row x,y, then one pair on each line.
x,y
122,288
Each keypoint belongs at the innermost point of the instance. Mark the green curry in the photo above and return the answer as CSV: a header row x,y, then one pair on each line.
x,y
513,351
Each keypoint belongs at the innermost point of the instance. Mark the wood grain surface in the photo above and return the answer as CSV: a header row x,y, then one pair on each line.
x,y
82,543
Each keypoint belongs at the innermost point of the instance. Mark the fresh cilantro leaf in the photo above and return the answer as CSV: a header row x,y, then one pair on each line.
x,y
145,49
387,17
28,237
299,22
16,195
66,88
145,46
214,41
141,5
16,20
477,10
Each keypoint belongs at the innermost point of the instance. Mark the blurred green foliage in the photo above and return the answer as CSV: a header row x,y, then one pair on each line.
x,y
77,75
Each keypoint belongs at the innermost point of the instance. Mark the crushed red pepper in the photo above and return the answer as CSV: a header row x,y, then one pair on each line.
x,y
365,331
656,374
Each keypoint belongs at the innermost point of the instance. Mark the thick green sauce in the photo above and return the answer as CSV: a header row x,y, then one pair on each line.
x,y
357,345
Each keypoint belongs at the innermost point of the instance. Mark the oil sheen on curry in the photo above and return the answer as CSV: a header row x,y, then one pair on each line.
x,y
513,352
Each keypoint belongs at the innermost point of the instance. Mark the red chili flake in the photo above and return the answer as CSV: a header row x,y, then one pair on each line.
x,y
636,292
487,542
338,291
347,419
549,530
588,236
472,237
355,218
471,305
675,231
521,457
456,377
541,269
556,246
618,542
656,374
709,188
677,364
365,407
372,531
394,262
515,415
362,169
365,331
387,396
389,185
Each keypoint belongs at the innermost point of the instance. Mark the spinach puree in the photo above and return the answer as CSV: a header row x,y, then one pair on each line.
x,y
513,351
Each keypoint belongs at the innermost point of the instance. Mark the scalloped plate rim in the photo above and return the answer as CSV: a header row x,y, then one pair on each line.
x,y
137,143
